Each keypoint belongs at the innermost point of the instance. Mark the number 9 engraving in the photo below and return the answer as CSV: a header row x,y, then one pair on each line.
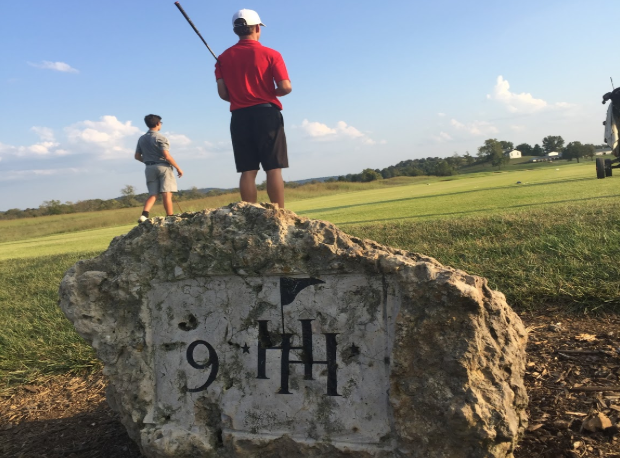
x,y
213,362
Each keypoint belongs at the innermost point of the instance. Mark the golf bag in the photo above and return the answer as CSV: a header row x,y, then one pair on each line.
x,y
612,123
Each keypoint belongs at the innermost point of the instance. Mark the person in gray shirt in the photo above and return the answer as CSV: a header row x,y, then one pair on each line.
x,y
153,149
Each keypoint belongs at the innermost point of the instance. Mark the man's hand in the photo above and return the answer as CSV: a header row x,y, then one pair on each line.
x,y
222,90
138,157
172,162
284,87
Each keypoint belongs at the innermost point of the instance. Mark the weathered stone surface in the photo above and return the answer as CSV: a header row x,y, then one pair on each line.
x,y
250,331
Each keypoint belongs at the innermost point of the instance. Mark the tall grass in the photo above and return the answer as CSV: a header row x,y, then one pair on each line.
x,y
35,336
566,255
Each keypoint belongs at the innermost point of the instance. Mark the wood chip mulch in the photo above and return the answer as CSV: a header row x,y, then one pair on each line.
x,y
573,380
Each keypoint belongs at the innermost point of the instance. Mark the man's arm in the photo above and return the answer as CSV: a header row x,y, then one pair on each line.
x,y
173,163
222,90
284,87
138,156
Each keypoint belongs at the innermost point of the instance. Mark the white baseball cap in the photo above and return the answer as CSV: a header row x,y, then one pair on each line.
x,y
249,16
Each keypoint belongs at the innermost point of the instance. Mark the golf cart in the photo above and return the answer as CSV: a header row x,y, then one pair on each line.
x,y
612,129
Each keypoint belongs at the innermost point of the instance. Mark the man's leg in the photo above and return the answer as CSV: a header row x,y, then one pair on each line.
x,y
275,187
149,203
147,207
167,200
247,186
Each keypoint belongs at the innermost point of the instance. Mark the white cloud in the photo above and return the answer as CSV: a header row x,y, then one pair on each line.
x,y
441,114
38,149
41,148
45,133
342,131
183,147
107,137
476,128
219,146
523,102
348,131
56,66
517,128
316,129
442,137
177,140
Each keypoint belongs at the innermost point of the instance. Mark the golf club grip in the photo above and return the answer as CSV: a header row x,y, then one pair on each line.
x,y
194,27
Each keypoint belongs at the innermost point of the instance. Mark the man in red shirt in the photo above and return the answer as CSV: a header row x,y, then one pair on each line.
x,y
251,77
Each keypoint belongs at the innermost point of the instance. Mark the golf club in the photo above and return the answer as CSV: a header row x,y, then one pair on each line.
x,y
179,205
194,27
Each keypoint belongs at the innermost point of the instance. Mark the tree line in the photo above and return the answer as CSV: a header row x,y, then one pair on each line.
x,y
493,152
128,198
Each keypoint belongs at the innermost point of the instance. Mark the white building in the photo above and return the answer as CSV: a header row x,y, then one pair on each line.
x,y
514,154
554,154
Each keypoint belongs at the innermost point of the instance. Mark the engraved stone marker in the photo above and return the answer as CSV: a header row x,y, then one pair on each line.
x,y
249,331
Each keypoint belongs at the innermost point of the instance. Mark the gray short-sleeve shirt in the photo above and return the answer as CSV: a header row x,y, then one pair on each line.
x,y
151,145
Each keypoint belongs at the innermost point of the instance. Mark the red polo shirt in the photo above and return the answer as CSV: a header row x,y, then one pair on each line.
x,y
250,71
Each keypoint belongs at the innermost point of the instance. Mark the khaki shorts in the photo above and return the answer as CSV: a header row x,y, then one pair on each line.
x,y
160,178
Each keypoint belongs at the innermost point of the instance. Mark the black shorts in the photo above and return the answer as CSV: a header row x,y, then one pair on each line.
x,y
258,138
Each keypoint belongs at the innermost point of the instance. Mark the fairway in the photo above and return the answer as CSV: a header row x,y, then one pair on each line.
x,y
433,198
75,242
463,195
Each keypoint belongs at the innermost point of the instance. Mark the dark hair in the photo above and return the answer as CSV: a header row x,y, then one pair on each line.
x,y
152,120
242,29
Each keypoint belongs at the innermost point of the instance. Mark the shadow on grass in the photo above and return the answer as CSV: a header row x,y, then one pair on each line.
x,y
472,212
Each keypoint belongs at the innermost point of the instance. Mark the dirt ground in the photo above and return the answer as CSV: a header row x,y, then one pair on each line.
x,y
573,378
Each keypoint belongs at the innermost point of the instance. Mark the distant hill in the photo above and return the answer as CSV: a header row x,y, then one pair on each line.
x,y
308,180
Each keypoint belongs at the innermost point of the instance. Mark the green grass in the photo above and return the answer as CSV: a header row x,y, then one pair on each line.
x,y
35,337
72,242
463,195
566,255
28,228
554,238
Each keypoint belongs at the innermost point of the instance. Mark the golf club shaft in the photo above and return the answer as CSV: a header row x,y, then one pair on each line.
x,y
194,27
178,205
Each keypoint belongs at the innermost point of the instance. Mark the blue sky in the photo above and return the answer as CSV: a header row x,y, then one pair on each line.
x,y
374,83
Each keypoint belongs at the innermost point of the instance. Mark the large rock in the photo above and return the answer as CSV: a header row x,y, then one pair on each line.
x,y
250,331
